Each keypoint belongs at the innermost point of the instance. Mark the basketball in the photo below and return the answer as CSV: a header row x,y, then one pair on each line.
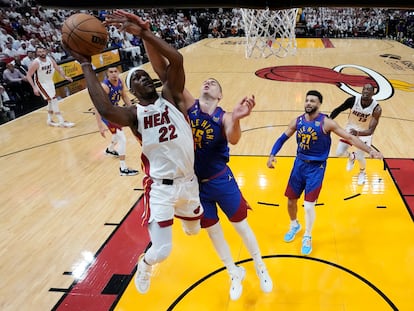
x,y
84,34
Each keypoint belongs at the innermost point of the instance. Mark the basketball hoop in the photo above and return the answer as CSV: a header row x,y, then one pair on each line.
x,y
269,32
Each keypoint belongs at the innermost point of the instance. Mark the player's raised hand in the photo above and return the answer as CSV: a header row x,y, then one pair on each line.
x,y
243,108
127,21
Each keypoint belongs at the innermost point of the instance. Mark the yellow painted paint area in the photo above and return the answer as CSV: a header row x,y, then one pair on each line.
x,y
362,255
301,43
306,43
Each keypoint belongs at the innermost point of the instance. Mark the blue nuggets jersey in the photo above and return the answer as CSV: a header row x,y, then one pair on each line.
x,y
211,149
313,143
114,91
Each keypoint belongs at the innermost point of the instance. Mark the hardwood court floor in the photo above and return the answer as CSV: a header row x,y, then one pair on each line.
x,y
70,236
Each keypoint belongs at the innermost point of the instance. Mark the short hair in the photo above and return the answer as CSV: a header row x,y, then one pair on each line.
x,y
218,83
370,85
315,93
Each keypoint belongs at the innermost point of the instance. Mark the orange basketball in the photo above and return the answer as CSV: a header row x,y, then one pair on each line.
x,y
84,34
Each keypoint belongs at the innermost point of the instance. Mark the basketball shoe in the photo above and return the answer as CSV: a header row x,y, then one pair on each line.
x,y
306,245
66,124
290,235
127,172
266,283
236,276
113,153
361,177
143,276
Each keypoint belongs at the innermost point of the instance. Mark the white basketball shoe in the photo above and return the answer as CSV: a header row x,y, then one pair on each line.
x,y
266,283
143,276
236,277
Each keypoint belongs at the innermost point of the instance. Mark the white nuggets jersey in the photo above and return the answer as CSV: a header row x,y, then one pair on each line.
x,y
167,141
43,78
359,117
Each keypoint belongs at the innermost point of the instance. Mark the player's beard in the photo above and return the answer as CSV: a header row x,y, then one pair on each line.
x,y
310,110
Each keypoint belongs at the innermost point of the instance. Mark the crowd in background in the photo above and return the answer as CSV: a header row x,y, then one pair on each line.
x,y
25,25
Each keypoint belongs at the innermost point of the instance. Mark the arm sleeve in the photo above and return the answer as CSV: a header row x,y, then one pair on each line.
x,y
346,105
278,144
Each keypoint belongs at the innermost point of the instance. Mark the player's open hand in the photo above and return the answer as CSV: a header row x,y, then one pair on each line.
x,y
376,154
128,22
243,108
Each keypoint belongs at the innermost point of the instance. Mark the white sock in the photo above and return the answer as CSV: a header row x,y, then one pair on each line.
x,y
60,118
111,147
294,223
123,164
310,216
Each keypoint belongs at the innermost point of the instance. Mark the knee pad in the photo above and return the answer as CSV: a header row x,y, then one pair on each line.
x,y
191,227
158,254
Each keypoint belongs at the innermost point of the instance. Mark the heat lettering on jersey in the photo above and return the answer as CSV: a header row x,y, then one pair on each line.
x,y
157,119
362,117
47,68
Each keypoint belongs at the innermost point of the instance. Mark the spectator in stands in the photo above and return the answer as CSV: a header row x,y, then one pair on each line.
x,y
3,56
8,50
58,53
17,63
17,83
7,113
33,43
28,59
22,50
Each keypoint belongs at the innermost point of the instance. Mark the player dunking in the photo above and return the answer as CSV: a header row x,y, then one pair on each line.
x,y
363,119
40,77
116,91
170,185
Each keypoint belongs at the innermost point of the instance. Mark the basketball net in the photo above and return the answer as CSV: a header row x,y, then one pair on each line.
x,y
269,32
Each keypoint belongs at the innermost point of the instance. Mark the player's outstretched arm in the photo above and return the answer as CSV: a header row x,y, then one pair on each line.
x,y
119,115
331,125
